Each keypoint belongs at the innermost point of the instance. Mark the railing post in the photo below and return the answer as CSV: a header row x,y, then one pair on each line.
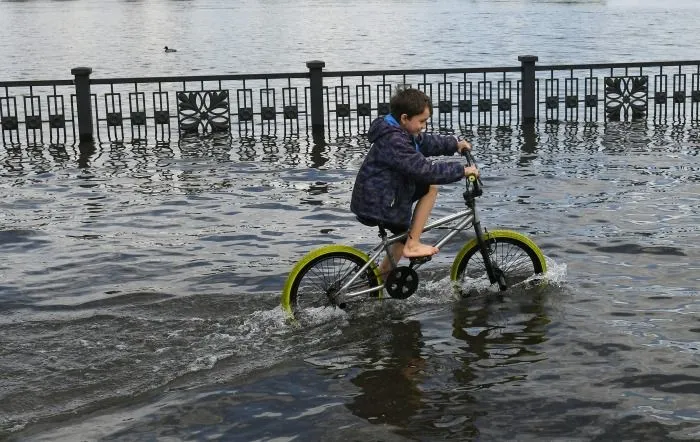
x,y
316,94
528,97
84,103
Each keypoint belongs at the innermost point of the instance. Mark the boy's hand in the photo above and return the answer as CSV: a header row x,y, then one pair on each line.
x,y
463,145
471,170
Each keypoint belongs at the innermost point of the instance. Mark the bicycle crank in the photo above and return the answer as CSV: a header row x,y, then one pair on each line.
x,y
401,283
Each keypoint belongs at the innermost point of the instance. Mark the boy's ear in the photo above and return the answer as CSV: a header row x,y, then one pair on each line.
x,y
403,119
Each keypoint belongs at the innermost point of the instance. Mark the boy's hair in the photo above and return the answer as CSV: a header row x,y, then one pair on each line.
x,y
410,102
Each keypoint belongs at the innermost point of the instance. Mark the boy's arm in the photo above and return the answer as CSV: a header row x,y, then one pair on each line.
x,y
433,145
415,165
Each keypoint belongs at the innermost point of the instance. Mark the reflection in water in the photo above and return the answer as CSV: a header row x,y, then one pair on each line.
x,y
165,172
116,161
13,162
503,135
575,136
501,329
318,148
95,206
292,148
40,163
270,150
390,394
59,154
203,221
215,146
247,150
528,144
483,137
619,137
344,149
87,149
144,164
668,136
426,386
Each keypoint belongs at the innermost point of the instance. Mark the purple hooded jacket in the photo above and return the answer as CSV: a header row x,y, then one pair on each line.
x,y
387,179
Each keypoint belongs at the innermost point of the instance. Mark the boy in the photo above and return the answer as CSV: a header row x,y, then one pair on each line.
x,y
396,173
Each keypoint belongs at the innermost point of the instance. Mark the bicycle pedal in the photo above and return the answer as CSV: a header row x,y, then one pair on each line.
x,y
420,260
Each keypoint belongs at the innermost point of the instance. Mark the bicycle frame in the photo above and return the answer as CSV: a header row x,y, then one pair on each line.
x,y
465,218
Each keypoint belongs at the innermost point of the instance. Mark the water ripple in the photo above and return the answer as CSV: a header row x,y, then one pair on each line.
x,y
149,279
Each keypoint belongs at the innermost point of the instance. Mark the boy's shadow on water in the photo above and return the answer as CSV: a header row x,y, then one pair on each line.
x,y
408,386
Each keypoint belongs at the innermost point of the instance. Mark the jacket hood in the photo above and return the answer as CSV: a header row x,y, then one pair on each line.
x,y
381,127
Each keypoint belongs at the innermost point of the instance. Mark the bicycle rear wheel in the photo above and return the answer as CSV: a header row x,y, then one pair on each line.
x,y
515,257
313,283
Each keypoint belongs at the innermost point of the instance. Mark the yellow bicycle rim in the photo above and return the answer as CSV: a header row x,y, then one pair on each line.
x,y
295,272
498,234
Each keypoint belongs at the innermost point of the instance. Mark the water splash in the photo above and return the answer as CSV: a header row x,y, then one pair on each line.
x,y
262,323
556,272
444,290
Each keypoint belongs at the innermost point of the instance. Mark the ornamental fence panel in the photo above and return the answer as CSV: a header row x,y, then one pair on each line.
x,y
162,109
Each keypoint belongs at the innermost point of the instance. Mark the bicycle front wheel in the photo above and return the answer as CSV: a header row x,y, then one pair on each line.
x,y
314,282
514,255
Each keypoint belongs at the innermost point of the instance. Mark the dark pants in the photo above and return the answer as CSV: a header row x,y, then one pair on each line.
x,y
421,190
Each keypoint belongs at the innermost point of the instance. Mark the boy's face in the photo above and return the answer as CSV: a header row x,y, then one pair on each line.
x,y
417,123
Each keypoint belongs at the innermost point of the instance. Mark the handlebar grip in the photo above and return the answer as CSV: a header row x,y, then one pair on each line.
x,y
468,156
474,181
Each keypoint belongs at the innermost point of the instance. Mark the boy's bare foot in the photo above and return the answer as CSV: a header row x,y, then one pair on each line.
x,y
418,250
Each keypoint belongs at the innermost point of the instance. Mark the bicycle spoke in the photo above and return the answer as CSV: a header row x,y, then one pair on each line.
x,y
327,276
512,259
513,262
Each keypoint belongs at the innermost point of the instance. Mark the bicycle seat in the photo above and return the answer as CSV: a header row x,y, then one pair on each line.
x,y
383,227
373,223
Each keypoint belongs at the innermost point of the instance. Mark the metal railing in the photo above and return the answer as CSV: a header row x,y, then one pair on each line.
x,y
322,102
657,92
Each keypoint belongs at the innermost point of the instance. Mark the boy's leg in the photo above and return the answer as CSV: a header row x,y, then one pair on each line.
x,y
414,248
396,251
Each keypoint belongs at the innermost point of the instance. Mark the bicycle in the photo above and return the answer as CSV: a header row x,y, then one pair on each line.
x,y
334,274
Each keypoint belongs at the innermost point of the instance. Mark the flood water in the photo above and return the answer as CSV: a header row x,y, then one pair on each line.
x,y
44,39
139,284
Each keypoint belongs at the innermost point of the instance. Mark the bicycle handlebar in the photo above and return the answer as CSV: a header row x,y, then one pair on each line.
x,y
474,184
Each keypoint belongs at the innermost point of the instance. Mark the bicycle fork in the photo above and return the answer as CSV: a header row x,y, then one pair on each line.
x,y
494,273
